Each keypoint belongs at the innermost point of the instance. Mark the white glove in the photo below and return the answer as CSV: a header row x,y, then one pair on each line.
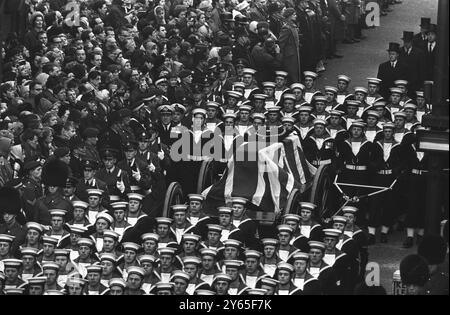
x,y
151,167
137,175
161,155
121,186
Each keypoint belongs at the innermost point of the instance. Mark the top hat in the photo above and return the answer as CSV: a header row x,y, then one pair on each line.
x,y
394,47
408,36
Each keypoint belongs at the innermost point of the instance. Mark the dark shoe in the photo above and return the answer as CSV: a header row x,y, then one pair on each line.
x,y
419,239
356,40
347,41
383,238
338,56
408,243
372,239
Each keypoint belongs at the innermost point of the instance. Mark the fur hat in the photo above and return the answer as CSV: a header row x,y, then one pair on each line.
x,y
433,249
414,270
55,173
10,200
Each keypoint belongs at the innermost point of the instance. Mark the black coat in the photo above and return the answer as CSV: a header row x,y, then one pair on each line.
x,y
430,62
389,75
415,64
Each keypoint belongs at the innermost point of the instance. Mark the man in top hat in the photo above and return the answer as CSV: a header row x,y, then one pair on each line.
x,y
414,60
391,70
116,179
320,147
430,52
420,40
90,181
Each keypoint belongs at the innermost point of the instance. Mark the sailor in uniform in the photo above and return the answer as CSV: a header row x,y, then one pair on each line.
x,y
336,125
401,134
180,224
120,224
302,278
166,235
269,91
411,120
48,249
284,275
403,85
134,279
30,265
237,284
86,256
285,235
331,94
191,266
422,107
57,224
319,104
320,147
228,229
180,280
373,88
213,237
109,269
259,102
94,286
352,107
150,244
243,123
308,227
270,260
343,82
298,90
310,85
360,95
94,200
212,112
209,265
195,212
241,220
268,284
253,270
50,270
221,284
304,125
280,84
394,105
12,268
189,245
80,217
110,243
103,222
129,258
249,80
373,131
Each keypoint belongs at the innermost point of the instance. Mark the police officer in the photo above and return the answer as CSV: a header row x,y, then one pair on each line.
x,y
136,168
116,179
90,181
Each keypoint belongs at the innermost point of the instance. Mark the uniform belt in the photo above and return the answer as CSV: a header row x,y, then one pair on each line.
x,y
418,172
385,172
322,162
356,167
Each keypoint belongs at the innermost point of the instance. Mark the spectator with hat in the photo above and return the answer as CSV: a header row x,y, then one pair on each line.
x,y
420,40
414,59
431,52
